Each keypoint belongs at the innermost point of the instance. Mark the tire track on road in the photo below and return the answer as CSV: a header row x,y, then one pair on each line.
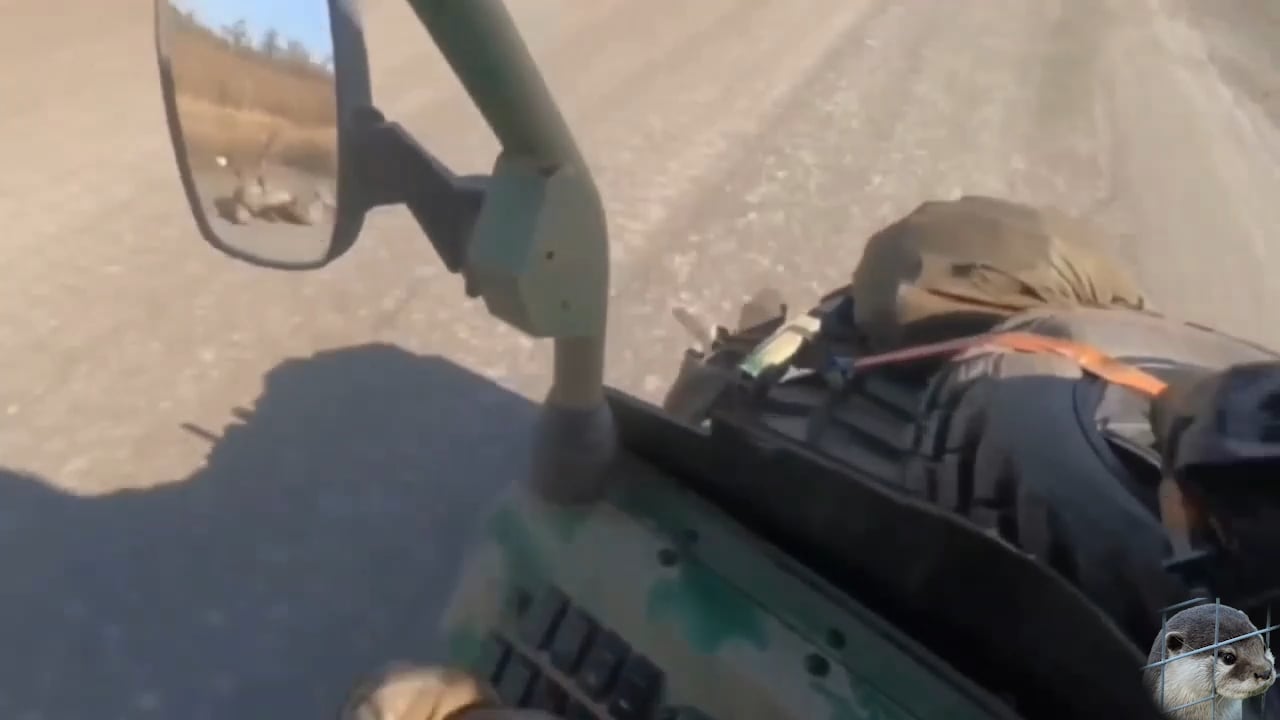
x,y
1198,178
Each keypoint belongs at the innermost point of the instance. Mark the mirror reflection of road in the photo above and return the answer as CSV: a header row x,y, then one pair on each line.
x,y
737,144
278,238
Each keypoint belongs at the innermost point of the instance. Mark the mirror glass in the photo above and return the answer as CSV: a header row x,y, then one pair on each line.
x,y
254,90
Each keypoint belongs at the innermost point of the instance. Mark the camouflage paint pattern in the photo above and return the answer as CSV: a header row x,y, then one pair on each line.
x,y
739,630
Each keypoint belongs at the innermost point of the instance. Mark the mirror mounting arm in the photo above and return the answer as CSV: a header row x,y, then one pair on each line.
x,y
394,169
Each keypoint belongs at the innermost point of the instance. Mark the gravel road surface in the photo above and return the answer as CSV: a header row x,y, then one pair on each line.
x,y
366,411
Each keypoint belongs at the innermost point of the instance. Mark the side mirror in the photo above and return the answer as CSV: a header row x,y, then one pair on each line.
x,y
530,238
260,123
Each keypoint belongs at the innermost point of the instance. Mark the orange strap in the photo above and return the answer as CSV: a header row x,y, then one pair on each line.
x,y
1090,359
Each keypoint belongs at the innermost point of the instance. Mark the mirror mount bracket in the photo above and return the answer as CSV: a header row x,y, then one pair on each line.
x,y
393,169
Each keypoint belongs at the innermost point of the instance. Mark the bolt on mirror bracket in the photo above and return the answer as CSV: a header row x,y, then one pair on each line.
x,y
393,169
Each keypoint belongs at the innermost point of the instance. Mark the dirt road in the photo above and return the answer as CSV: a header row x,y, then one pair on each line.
x,y
737,143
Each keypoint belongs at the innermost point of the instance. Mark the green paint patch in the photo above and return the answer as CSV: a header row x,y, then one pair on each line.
x,y
508,529
564,525
709,612
464,645
516,533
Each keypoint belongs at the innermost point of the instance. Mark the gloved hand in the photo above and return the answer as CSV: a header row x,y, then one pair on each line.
x,y
408,692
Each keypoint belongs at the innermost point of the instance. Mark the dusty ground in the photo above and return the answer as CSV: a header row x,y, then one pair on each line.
x,y
737,143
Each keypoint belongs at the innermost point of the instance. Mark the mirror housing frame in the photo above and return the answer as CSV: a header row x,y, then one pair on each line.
x,y
352,90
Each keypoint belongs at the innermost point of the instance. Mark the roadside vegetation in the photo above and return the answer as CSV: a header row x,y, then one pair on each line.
x,y
235,91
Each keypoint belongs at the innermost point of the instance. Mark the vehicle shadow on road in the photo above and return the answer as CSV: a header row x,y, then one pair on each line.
x,y
321,539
